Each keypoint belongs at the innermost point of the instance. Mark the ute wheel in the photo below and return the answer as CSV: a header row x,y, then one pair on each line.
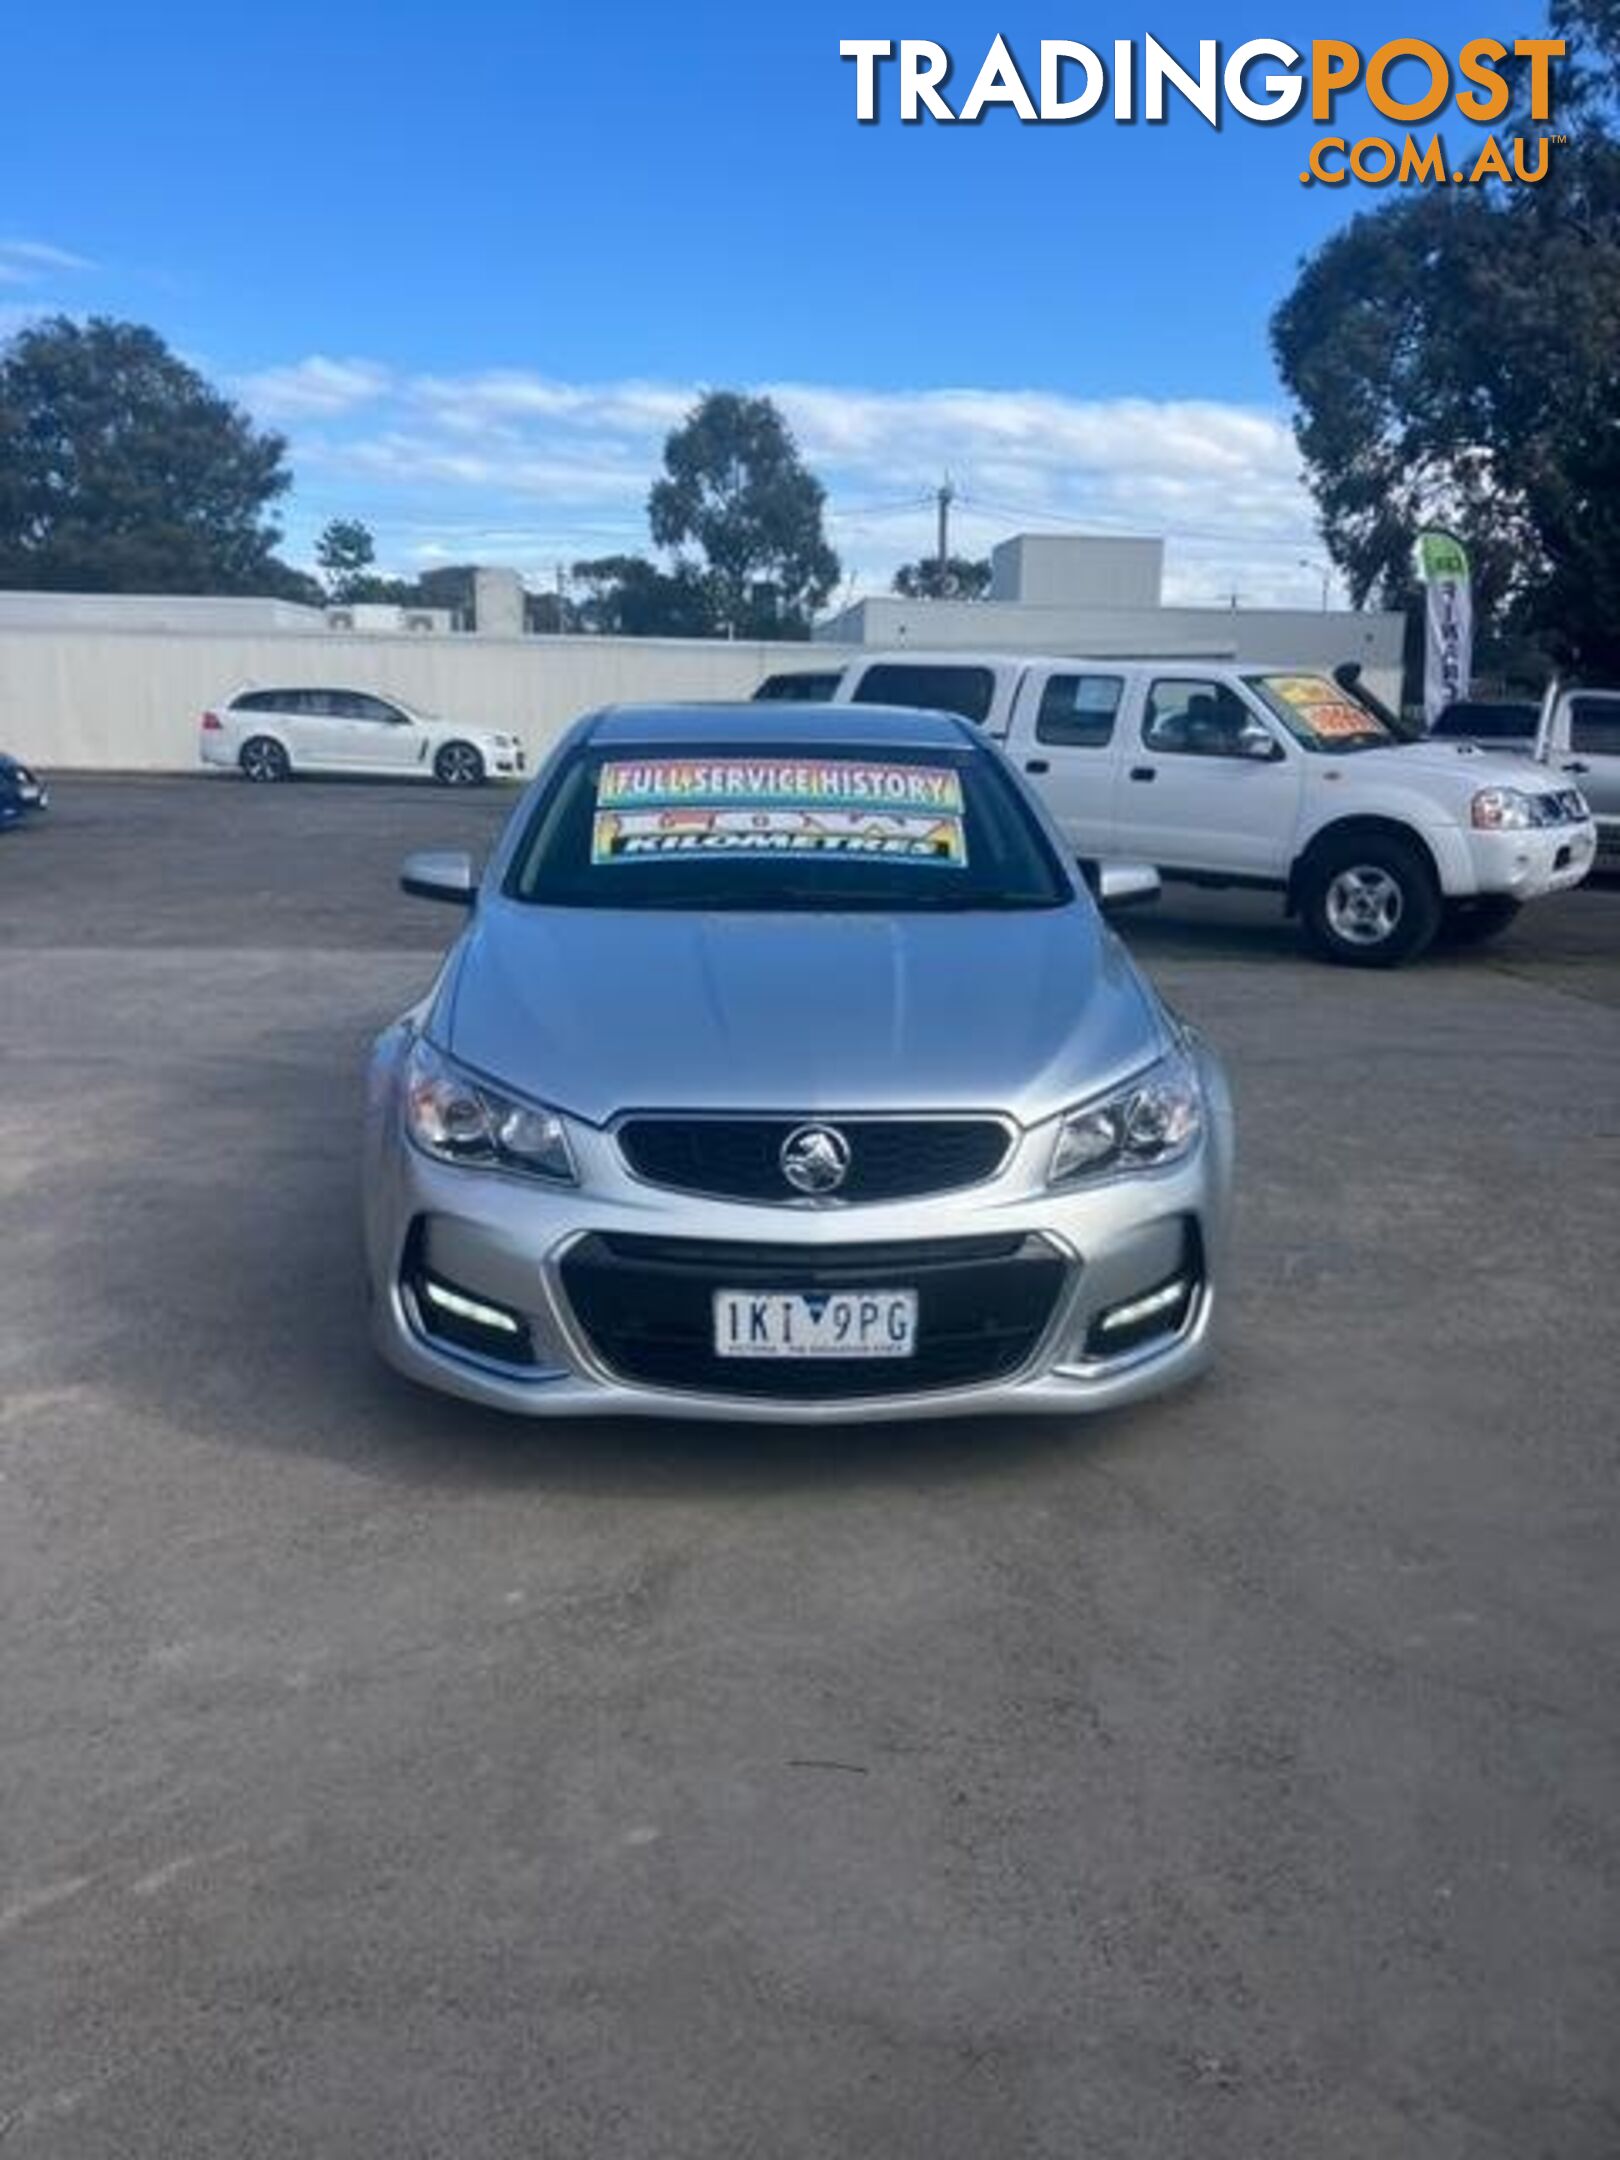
x,y
263,758
1471,922
1370,902
458,764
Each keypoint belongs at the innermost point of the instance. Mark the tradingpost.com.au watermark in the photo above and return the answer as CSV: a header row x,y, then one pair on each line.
x,y
1263,81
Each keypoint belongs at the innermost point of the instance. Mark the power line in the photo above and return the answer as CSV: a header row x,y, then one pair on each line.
x,y
906,507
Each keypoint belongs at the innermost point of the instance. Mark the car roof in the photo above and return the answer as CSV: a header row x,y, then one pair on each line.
x,y
1177,664
784,721
323,682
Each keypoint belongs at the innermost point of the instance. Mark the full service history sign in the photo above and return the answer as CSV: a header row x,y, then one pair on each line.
x,y
669,808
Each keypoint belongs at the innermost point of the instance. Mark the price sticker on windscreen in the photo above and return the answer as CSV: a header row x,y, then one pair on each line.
x,y
1322,705
829,809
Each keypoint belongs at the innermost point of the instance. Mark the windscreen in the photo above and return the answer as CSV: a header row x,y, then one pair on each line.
x,y
763,829
797,689
1321,716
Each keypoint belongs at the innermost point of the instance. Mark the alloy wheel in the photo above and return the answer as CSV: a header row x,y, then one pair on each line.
x,y
262,761
459,765
1364,905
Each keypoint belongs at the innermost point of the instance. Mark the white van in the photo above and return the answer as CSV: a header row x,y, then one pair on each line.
x,y
1224,774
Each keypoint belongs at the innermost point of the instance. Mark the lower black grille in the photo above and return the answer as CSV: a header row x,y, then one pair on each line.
x,y
740,1158
647,1306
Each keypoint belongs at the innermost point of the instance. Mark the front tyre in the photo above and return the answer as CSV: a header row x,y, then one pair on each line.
x,y
1370,902
459,764
1471,922
262,759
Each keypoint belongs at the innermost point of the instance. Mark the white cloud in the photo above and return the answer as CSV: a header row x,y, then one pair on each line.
x,y
536,470
31,262
43,256
314,388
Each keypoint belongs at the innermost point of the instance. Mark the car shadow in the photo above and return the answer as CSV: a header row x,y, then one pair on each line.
x,y
1212,926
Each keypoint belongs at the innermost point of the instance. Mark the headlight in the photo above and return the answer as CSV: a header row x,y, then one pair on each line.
x,y
1154,1120
1504,809
458,1119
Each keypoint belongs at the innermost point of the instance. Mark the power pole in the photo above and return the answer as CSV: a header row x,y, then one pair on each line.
x,y
945,497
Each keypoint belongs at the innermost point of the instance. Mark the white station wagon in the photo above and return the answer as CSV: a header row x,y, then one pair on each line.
x,y
270,734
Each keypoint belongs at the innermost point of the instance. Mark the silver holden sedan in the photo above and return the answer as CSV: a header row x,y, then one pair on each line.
x,y
786,1069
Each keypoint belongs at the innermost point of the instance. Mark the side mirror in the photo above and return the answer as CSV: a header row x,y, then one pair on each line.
x,y
1125,885
1256,743
440,874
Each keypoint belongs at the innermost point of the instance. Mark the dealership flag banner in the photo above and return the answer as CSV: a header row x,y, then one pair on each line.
x,y
1448,640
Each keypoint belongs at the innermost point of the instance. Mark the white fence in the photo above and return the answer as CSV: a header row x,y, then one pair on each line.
x,y
131,700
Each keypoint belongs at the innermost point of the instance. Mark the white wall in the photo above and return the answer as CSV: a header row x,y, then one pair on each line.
x,y
131,700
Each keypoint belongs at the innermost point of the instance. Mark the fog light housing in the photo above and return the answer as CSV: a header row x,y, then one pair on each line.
x,y
457,1319
1151,1316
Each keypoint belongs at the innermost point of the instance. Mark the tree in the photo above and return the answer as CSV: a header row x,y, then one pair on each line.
x,y
550,613
963,580
734,487
345,553
627,596
282,582
121,470
1455,361
453,586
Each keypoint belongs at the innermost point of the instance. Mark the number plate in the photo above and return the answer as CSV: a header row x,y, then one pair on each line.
x,y
812,1324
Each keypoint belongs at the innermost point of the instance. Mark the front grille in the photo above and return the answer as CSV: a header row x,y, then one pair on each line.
x,y
739,1158
647,1306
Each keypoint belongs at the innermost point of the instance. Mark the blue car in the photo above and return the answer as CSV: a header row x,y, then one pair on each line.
x,y
21,791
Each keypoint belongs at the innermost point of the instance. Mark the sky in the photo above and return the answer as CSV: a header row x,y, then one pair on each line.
x,y
476,264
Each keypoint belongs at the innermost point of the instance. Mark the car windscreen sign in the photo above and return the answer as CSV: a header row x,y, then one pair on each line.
x,y
674,809
1322,707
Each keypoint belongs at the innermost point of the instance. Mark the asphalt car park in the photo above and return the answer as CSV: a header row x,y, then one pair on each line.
x,y
1230,1775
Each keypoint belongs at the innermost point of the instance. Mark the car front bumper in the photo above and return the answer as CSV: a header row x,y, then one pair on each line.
x,y
529,1251
1530,864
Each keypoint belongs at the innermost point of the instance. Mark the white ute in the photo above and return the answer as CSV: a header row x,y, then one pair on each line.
x,y
1579,736
1221,774
271,734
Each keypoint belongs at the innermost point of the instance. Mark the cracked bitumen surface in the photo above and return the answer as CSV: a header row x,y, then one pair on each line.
x,y
1235,1776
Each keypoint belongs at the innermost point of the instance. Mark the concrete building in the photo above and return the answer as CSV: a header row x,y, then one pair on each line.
x,y
498,603
1062,570
1102,596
